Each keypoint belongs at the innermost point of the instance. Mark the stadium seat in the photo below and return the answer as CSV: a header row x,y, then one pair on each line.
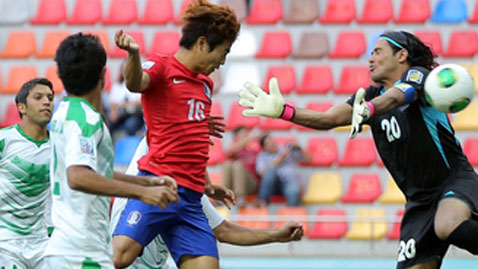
x,y
14,11
265,12
413,11
102,36
269,46
125,148
431,39
52,75
449,11
317,79
394,233
334,225
466,119
157,12
121,12
245,45
50,12
317,106
235,118
11,115
223,211
323,151
285,75
108,80
17,76
471,150
215,177
376,12
350,44
51,42
392,194
359,152
216,153
165,43
184,5
363,188
233,82
254,212
323,188
312,45
462,44
302,11
239,7
474,17
370,224
138,36
291,212
352,78
339,11
86,12
19,44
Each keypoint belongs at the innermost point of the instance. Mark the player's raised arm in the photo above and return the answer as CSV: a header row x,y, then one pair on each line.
x,y
136,79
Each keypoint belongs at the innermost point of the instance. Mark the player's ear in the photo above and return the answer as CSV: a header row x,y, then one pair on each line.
x,y
22,108
402,56
201,44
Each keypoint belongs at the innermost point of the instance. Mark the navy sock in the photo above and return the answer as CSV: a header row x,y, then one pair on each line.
x,y
465,236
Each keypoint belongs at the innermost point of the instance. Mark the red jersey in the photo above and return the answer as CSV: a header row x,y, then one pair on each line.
x,y
176,107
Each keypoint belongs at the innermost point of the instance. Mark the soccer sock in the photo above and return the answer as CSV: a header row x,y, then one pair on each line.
x,y
466,236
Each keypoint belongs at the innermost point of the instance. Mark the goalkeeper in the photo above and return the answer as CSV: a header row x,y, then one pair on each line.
x,y
416,143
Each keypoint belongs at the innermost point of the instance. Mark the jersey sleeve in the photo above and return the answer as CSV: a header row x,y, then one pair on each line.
x,y
154,67
214,218
79,150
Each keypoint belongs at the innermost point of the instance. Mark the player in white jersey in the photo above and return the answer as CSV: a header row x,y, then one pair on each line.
x,y
155,253
24,182
81,164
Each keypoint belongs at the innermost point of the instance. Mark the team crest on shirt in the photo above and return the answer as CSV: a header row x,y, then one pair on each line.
x,y
415,76
147,65
86,146
134,217
207,91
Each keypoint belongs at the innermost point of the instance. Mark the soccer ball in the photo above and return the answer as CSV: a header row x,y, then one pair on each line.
x,y
449,88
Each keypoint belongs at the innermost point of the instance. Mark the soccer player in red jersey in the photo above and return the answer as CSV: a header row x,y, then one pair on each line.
x,y
176,98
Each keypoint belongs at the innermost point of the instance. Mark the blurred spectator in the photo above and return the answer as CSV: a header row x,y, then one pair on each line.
x,y
278,169
239,172
125,112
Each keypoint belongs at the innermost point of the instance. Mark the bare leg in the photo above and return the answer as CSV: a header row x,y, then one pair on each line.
x,y
194,262
126,250
451,212
431,264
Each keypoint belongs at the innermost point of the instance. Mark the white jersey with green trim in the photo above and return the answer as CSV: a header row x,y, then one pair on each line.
x,y
79,137
24,184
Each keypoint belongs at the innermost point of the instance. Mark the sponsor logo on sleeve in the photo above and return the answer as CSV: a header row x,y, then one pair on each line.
x,y
147,65
86,146
415,76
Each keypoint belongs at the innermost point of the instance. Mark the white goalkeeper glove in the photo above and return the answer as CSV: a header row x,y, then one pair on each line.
x,y
262,104
362,111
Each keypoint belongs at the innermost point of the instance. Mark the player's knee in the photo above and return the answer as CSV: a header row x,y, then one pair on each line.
x,y
443,230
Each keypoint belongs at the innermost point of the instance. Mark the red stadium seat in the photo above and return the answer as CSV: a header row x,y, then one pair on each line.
x,y
471,150
52,75
394,233
165,43
359,152
302,11
414,11
239,7
235,118
316,79
17,76
265,12
285,74
138,36
184,5
216,178
462,44
275,124
19,45
474,17
216,152
11,115
376,12
86,12
334,225
102,36
254,211
339,11
270,48
312,45
350,44
108,80
121,12
51,42
157,12
317,106
50,12
363,188
291,213
431,39
323,151
352,78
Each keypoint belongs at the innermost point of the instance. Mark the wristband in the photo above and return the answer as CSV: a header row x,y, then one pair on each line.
x,y
288,112
371,108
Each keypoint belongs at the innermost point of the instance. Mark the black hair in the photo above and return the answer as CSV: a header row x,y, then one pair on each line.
x,y
262,140
419,54
80,59
238,129
21,97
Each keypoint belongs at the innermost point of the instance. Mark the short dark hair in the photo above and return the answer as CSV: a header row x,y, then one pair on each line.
x,y
238,129
217,23
21,97
419,54
80,59
262,139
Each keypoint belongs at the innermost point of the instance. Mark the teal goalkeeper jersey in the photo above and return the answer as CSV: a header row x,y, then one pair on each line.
x,y
24,184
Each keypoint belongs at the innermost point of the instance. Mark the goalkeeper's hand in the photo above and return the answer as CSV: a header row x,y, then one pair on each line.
x,y
259,102
362,111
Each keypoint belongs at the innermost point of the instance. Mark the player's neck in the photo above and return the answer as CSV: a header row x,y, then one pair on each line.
x,y
93,97
397,75
33,130
185,57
